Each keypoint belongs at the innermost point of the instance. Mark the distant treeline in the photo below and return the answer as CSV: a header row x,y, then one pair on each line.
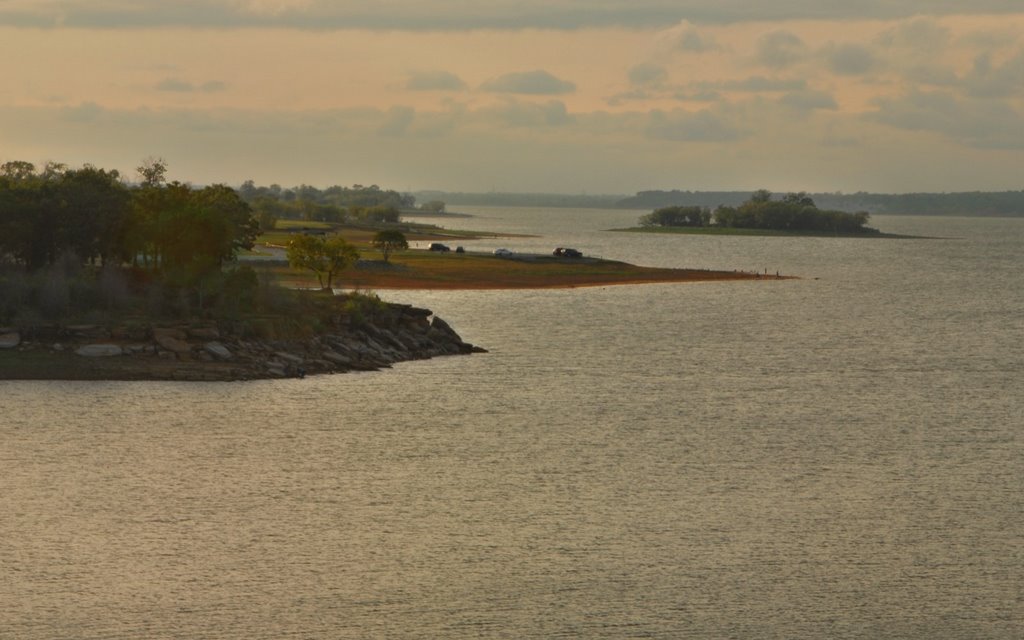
x,y
494,199
977,203
357,203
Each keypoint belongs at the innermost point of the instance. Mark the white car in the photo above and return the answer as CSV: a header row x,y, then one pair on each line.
x,y
504,253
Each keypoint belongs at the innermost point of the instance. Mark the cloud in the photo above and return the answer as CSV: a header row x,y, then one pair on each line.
x,y
397,121
175,85
524,114
539,83
920,34
808,100
932,74
989,80
780,49
850,59
434,81
978,123
759,84
460,15
686,37
84,112
687,126
647,75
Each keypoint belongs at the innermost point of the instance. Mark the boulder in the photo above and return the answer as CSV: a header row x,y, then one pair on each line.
x,y
99,350
10,340
217,350
172,340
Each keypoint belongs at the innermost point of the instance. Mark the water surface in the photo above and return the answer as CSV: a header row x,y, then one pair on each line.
x,y
835,456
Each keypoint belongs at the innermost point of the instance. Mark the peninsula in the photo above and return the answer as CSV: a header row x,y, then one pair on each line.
x,y
102,279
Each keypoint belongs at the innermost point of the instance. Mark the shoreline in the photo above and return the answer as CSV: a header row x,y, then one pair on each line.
x,y
210,351
471,271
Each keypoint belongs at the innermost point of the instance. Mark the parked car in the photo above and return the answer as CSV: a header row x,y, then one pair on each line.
x,y
437,246
502,252
564,252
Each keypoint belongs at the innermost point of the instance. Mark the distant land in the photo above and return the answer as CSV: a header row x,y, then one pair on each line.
x,y
966,203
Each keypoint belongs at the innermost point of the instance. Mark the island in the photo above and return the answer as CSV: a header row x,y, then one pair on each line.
x,y
795,214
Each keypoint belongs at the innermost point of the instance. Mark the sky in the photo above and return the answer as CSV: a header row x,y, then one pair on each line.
x,y
561,96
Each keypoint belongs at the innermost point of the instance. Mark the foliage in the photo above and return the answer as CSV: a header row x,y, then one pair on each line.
x,y
793,212
44,215
390,240
325,257
76,234
433,206
333,204
677,217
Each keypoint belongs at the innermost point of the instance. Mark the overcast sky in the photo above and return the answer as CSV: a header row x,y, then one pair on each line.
x,y
595,96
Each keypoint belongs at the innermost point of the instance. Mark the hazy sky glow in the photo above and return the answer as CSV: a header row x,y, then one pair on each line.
x,y
597,96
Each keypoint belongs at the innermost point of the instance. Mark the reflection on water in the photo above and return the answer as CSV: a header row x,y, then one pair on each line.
x,y
836,456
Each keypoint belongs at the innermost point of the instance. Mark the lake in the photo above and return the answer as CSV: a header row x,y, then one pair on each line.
x,y
837,456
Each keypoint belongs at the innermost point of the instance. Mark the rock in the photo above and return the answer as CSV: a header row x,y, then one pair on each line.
x,y
443,328
204,333
337,358
10,340
217,350
99,350
172,340
85,330
289,357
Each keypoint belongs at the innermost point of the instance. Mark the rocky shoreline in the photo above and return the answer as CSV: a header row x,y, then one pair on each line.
x,y
225,351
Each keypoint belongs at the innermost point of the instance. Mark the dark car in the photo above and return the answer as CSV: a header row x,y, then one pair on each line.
x,y
563,252
437,246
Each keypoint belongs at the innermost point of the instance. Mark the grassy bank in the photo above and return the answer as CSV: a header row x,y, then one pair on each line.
x,y
420,269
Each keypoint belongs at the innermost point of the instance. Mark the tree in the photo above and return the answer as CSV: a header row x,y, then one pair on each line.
x,y
677,217
325,257
153,172
434,206
18,170
390,240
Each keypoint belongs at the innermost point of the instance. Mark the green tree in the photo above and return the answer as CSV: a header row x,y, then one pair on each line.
x,y
325,257
153,172
390,240
677,217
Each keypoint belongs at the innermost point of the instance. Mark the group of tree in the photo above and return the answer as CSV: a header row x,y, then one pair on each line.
x,y
168,233
693,216
355,204
793,212
328,255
